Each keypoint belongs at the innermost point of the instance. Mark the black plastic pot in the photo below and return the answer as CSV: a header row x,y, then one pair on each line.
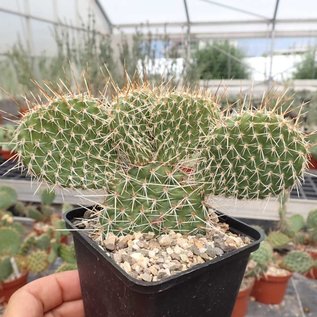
x,y
208,289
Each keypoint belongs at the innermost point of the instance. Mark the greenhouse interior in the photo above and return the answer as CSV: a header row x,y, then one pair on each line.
x,y
158,158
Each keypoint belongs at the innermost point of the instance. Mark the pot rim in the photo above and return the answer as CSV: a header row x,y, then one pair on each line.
x,y
254,234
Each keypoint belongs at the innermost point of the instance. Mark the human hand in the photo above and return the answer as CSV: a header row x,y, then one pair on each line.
x,y
54,295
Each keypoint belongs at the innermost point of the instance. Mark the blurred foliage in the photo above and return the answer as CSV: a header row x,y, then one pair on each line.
x,y
307,68
84,58
221,60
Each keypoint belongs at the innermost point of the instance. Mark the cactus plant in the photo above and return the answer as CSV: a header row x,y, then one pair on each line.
x,y
254,155
136,149
68,142
47,196
5,268
8,197
37,261
10,241
67,253
278,239
312,219
29,254
7,132
294,225
263,255
298,261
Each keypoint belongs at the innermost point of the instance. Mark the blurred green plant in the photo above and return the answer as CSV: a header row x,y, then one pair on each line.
x,y
307,68
220,60
86,58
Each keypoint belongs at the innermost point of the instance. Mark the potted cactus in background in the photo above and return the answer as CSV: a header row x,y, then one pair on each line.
x,y
273,272
158,154
18,257
6,146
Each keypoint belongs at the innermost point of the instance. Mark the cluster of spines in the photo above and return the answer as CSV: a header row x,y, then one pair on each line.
x,y
131,129
253,155
65,142
180,122
154,197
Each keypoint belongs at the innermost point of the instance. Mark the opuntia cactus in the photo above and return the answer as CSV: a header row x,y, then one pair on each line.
x,y
5,268
294,225
298,261
37,261
312,219
10,240
47,196
278,239
158,153
68,142
263,255
154,197
254,154
8,197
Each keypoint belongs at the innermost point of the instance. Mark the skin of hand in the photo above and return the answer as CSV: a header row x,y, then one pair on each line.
x,y
56,295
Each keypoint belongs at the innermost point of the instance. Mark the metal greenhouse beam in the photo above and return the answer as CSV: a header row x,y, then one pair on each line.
x,y
229,7
270,79
187,43
37,18
105,15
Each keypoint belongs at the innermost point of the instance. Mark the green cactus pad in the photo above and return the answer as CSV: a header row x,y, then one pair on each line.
x,y
34,213
42,242
181,121
254,155
298,261
263,255
10,241
5,268
37,261
132,124
47,196
67,253
8,197
312,219
67,143
294,224
152,198
27,244
278,239
66,267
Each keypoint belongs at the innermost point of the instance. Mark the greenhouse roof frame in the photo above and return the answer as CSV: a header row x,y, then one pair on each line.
x,y
264,25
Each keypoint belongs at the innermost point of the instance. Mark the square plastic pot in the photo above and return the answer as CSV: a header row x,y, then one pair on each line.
x,y
207,289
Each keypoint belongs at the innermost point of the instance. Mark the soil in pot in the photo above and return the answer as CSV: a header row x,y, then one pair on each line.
x,y
9,287
271,288
242,301
200,287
